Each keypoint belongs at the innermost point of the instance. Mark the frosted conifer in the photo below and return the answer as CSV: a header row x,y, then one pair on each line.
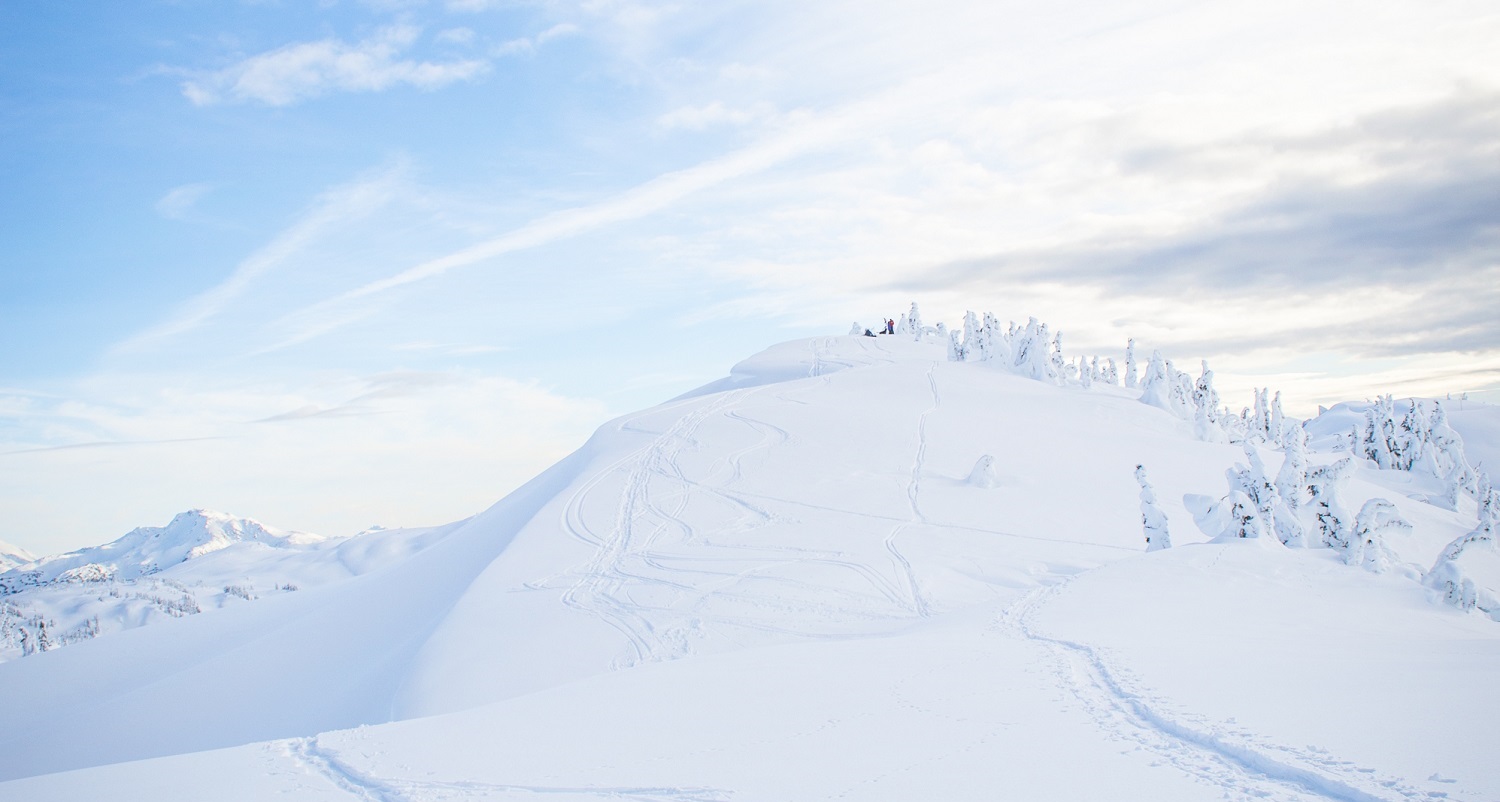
x,y
1153,521
1368,546
1326,484
1291,480
1448,578
1130,376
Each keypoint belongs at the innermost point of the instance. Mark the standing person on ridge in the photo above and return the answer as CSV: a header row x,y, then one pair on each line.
x,y
890,326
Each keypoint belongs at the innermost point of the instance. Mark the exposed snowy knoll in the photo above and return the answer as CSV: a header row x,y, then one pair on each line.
x,y
806,581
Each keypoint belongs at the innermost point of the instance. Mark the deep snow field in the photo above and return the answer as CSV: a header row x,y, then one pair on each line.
x,y
789,586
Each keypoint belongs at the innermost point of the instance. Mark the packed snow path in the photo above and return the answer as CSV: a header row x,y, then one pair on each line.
x,y
785,587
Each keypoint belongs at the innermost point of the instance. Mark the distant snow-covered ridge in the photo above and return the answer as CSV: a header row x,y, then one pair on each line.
x,y
201,560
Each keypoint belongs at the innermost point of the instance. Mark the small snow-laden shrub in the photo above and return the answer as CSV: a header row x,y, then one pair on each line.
x,y
242,591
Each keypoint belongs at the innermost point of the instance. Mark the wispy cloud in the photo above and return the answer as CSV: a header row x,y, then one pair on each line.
x,y
527,45
643,200
180,201
340,204
306,70
698,118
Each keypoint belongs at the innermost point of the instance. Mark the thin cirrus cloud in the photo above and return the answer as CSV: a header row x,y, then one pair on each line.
x,y
528,45
179,202
306,70
337,206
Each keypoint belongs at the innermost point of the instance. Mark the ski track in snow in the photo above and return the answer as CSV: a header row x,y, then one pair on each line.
x,y
600,591
1237,762
628,558
312,756
918,602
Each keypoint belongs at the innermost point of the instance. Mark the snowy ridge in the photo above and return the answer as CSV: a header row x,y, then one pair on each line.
x,y
889,574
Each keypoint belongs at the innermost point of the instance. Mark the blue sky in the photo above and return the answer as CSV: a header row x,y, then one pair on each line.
x,y
339,264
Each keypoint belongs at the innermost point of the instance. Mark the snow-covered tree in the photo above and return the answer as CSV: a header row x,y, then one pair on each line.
x,y
1130,375
1277,421
984,473
1291,480
1326,484
1111,372
1448,578
1244,519
1270,510
856,329
1153,521
1034,352
914,320
1368,546
955,348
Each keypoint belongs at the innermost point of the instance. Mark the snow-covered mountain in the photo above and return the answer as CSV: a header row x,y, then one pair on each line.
x,y
150,549
12,556
201,561
855,568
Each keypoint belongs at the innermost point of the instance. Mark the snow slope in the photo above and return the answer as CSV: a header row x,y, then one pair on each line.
x,y
785,586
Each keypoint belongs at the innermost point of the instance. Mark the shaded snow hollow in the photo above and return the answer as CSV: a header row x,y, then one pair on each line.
x,y
789,585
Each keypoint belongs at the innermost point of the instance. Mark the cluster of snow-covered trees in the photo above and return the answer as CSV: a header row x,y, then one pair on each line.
x,y
1416,440
31,632
1303,506
1035,351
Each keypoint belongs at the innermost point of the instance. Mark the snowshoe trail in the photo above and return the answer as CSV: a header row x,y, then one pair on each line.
x,y
1251,769
311,756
